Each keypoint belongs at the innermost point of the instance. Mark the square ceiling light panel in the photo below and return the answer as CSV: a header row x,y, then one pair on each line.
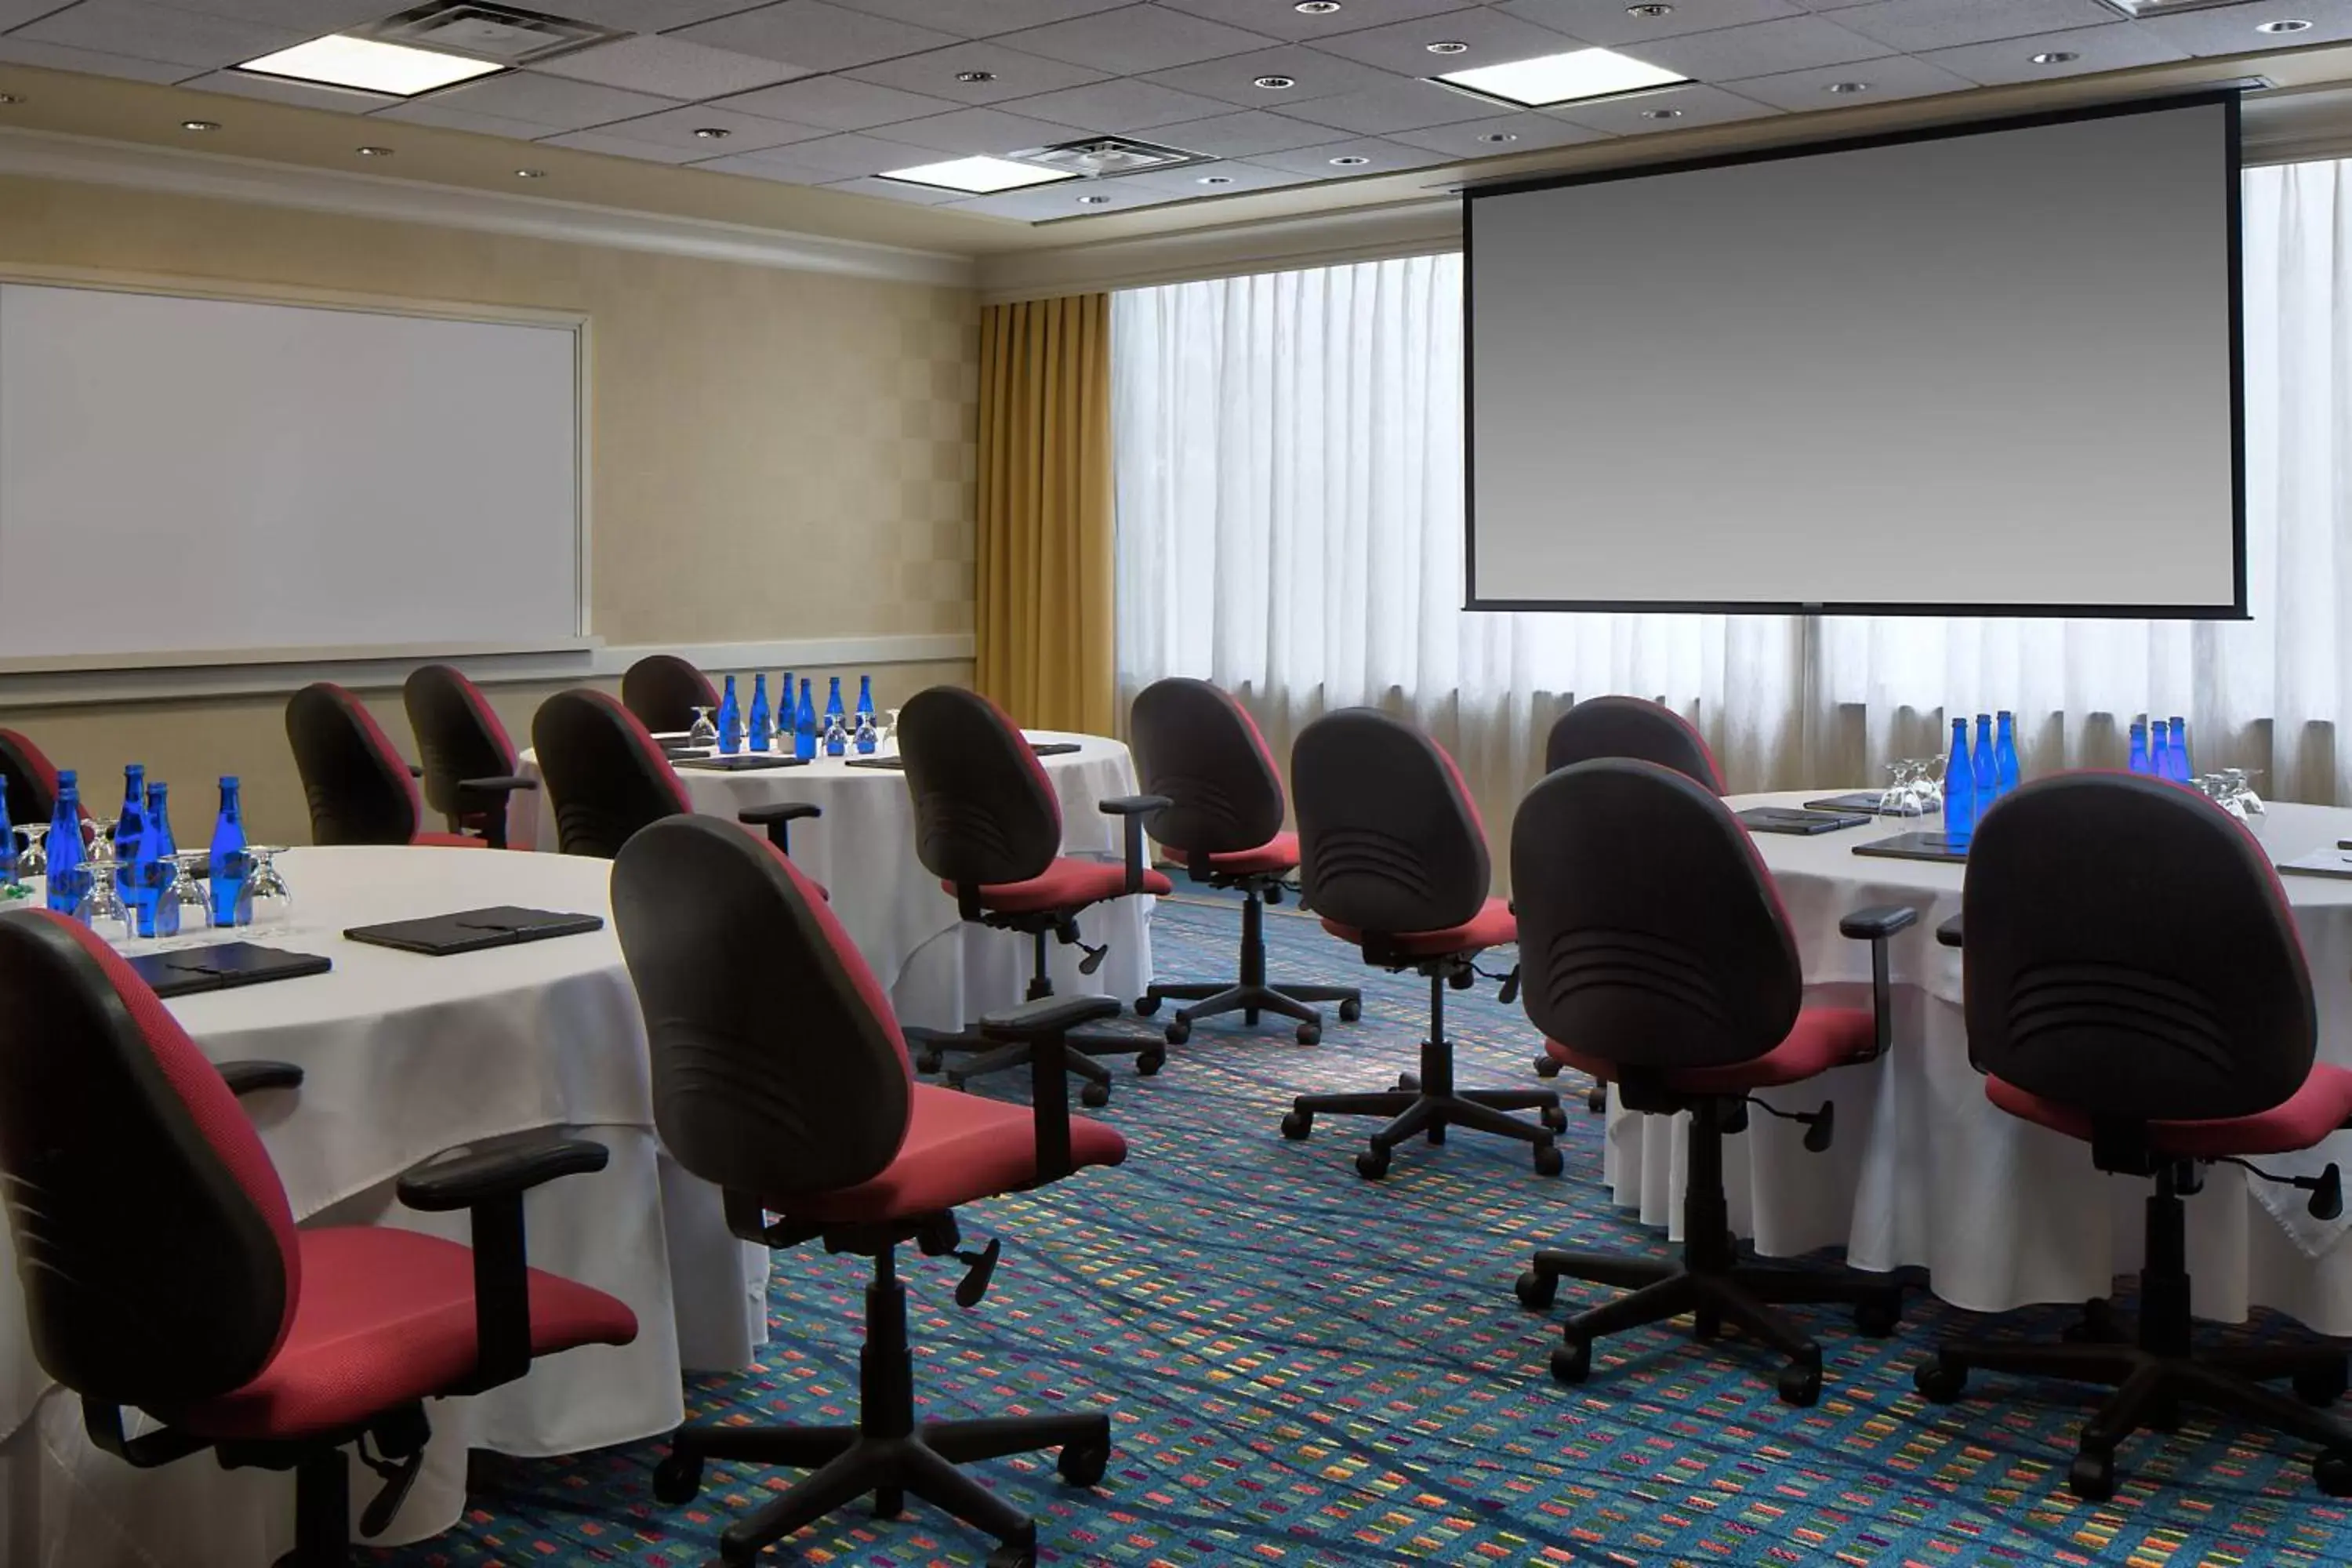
x,y
978,176
369,66
1549,80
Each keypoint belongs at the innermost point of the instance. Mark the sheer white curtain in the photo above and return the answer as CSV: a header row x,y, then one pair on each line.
x,y
1289,474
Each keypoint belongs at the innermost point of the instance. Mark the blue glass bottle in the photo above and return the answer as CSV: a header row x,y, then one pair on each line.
x,y
2004,753
2160,749
804,725
130,837
159,911
2138,763
836,736
730,720
67,854
2180,773
1983,777
227,865
760,730
866,733
8,842
1959,789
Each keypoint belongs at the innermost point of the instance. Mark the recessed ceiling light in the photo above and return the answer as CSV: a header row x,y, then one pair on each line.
x,y
973,79
1498,136
1448,47
2056,56
1316,7
1093,201
1562,78
1350,161
340,60
1649,12
1662,114
1275,83
531,173
372,151
977,176
8,98
2285,27
199,124
1842,88
712,133
1216,179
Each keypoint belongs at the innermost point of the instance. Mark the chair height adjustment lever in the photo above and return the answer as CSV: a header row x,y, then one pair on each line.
x,y
399,1477
974,1284
2327,1189
1821,1126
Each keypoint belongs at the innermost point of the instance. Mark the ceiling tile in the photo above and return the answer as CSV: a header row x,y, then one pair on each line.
x,y
745,132
1692,106
778,167
637,15
816,36
623,147
981,131
670,66
549,102
1042,204
311,18
1230,179
894,190
1401,105
1243,135
1895,76
1234,79
1281,19
1135,40
1013,73
1912,25
16,49
982,18
2230,30
837,103
1525,133
158,33
1127,103
16,13
302,94
1610,22
1386,158
2115,47
1760,48
449,117
845,157
1493,38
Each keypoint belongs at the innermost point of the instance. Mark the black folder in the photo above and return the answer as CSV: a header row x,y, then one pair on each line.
x,y
471,931
1783,819
1864,801
743,762
1915,846
1055,748
888,765
221,966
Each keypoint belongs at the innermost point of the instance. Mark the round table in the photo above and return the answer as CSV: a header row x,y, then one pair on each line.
x,y
1925,1171
406,1055
941,972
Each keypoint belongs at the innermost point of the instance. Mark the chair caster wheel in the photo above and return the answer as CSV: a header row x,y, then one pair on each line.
x,y
1082,1464
1536,1289
1146,1005
1553,1118
1310,1033
926,1061
1572,1361
1800,1383
677,1479
1013,1556
2321,1385
1547,1068
1372,1164
1876,1317
2097,1326
955,1080
1596,1099
1094,1096
1178,1032
1407,1083
889,1503
1706,1327
2092,1476
1350,1010
1297,1125
1938,1384
1549,1162
1148,1062
2332,1474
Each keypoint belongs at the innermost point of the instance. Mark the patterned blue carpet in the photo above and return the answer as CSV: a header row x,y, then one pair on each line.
x,y
1307,1368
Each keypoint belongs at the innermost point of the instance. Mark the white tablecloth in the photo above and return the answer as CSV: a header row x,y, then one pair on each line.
x,y
1926,1172
941,972
403,1056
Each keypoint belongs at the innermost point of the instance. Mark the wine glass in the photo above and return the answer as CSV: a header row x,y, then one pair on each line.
x,y
189,889
34,862
702,732
265,888
100,904
1901,796
1929,784
888,730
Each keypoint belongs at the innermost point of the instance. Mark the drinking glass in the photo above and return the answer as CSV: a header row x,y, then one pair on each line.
x,y
189,889
2250,805
703,731
1930,783
888,730
100,830
34,860
101,905
265,889
1901,796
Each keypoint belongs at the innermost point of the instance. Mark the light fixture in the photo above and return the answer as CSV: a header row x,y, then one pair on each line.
x,y
2056,56
372,151
1448,47
341,61
1649,13
531,173
1216,179
9,100
1561,78
199,124
1275,83
977,176
1316,7
973,79
1350,161
712,133
1843,87
1662,114
1093,201
1497,138
2283,27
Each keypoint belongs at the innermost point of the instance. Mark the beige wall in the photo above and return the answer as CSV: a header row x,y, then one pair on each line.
x,y
773,455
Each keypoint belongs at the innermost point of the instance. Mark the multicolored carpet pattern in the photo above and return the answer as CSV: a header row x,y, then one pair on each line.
x,y
1310,1369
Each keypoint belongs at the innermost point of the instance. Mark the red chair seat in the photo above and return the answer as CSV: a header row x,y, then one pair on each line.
x,y
1493,926
2320,1107
1824,1037
1277,855
449,841
385,1318
1066,884
959,1149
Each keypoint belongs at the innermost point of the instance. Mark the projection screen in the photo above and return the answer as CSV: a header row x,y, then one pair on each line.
x,y
1992,370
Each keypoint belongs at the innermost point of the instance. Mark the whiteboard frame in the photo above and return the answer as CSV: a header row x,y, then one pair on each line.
x,y
173,286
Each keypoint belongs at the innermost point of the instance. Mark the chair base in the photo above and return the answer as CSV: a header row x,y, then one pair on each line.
x,y
1596,1099
983,1056
1251,995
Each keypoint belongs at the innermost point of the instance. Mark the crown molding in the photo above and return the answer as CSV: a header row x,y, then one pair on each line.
x,y
52,156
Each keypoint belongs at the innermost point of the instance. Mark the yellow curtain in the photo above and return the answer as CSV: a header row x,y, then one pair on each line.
x,y
1043,619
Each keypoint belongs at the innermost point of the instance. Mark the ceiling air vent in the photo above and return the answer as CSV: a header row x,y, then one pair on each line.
x,y
1100,155
501,33
2166,8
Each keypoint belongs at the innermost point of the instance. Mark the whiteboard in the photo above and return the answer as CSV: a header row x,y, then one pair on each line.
x,y
183,475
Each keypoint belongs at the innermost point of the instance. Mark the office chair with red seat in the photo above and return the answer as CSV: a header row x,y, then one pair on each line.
x,y
2133,979
1393,857
470,768
1656,952
360,789
162,1271
663,690
605,775
1198,747
989,826
808,1111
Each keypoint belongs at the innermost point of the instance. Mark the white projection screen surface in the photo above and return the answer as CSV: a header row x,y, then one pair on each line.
x,y
1988,371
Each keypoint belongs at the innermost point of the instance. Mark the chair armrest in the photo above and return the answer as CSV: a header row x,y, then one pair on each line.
x,y
1876,925
1134,808
1046,1015
1133,805
1948,933
463,1178
778,817
244,1077
500,783
1878,922
1045,1026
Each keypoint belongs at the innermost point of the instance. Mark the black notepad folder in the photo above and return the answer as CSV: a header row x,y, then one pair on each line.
x,y
1866,801
1915,846
222,966
888,765
743,762
471,931
1784,819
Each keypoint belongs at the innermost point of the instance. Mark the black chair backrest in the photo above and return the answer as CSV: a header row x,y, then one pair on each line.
x,y
1389,838
154,1241
31,781
2130,954
986,812
663,690
778,1068
1630,726
357,784
604,774
458,736
1650,933
1199,747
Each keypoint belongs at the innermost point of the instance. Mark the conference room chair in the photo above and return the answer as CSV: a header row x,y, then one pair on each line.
x,y
29,777
781,1076
1199,749
470,768
602,775
360,789
988,825
162,1274
663,690
1624,726
1393,857
2132,978
1656,952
